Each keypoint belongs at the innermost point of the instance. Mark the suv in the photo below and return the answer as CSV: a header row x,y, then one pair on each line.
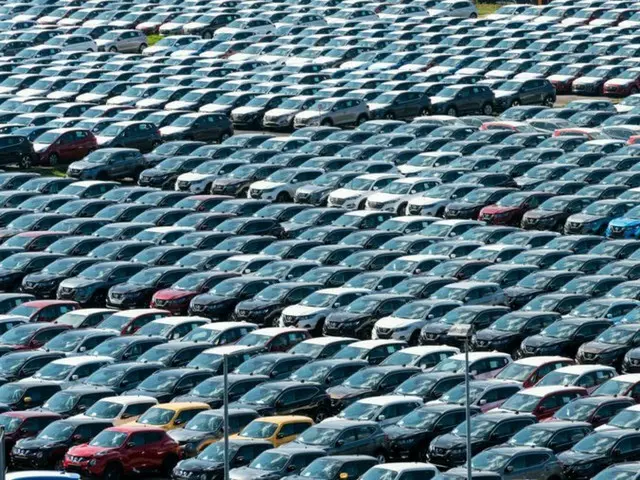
x,y
108,163
16,149
333,112
517,462
457,100
534,91
64,145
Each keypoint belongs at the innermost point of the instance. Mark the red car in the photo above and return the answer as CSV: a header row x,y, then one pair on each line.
x,y
531,370
626,84
64,145
176,298
563,80
122,451
510,209
44,310
25,424
128,322
29,336
542,402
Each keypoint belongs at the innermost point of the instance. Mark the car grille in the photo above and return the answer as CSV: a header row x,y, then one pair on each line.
x,y
589,356
160,303
438,451
302,196
78,459
255,193
198,308
486,216
616,232
184,473
218,188
384,332
338,201
289,320
530,222
574,227
21,451
66,290
182,185
376,205
117,296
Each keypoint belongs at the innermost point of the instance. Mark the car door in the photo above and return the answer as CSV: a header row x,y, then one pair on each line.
x,y
347,442
135,454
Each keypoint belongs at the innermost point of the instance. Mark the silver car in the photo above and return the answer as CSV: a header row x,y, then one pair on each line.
x,y
122,41
333,111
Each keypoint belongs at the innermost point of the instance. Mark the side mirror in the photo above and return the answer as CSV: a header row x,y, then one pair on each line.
x,y
82,349
483,401
279,403
473,372
291,468
76,438
74,377
178,422
616,452
328,380
381,418
131,445
336,305
239,460
27,400
509,469
339,443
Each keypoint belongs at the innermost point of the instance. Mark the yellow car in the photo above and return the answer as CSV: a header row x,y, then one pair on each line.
x,y
170,415
278,430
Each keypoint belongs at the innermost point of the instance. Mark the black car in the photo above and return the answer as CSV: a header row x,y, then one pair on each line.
x,y
507,332
164,174
457,100
43,453
368,382
205,127
173,354
276,366
595,218
209,391
144,136
286,398
610,347
410,437
469,206
44,283
430,385
126,348
222,299
16,149
211,460
557,435
166,384
537,283
91,285
563,337
358,318
399,104
26,394
75,400
449,450
18,365
265,307
16,267
533,91
553,213
597,451
121,377
138,290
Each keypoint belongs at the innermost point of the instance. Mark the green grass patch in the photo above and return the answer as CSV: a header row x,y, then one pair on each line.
x,y
485,9
153,39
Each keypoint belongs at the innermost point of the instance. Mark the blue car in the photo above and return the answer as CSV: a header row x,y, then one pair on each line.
x,y
625,227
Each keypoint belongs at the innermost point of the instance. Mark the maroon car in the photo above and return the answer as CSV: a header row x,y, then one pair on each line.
x,y
44,310
29,336
177,297
64,145
628,83
510,209
24,424
563,80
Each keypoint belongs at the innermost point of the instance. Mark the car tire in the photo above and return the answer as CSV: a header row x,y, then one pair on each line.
x,y
381,456
424,112
633,90
402,209
113,49
283,197
361,119
516,103
142,47
326,123
452,112
362,205
54,159
113,471
414,340
548,101
168,464
473,15
487,109
319,416
224,137
25,161
207,35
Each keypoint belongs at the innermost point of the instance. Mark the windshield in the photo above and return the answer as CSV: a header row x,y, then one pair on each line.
x,y
204,422
558,378
480,427
156,416
616,336
53,371
364,379
360,411
515,371
160,381
489,460
58,431
104,409
270,461
595,444
319,435
108,439
259,429
10,424
576,411
260,395
324,468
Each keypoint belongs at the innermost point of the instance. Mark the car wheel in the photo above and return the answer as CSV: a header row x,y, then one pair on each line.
x,y
424,112
112,472
452,112
548,101
282,197
207,35
515,103
54,159
224,137
362,205
381,457
473,15
633,90
25,161
113,49
320,416
415,338
389,116
361,119
142,47
327,123
487,109
402,209
168,465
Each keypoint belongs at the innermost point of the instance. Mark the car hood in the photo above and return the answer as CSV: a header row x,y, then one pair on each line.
x,y
347,193
436,99
310,189
436,327
248,473
587,80
246,110
301,310
309,114
624,222
255,305
83,165
33,443
209,298
281,112
572,457
489,334
153,172
129,288
583,218
41,277
169,294
342,391
493,210
600,347
342,317
194,177
265,185
384,197
394,432
560,78
379,106
543,341
462,206
619,81
540,214
520,291
78,282
424,201
181,435
195,464
87,450
229,181
396,323
448,441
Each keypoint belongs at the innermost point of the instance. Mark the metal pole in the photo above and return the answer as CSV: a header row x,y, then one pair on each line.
x,y
467,405
225,414
3,458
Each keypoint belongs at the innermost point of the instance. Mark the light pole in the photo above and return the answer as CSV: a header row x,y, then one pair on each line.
x,y
3,458
464,331
225,414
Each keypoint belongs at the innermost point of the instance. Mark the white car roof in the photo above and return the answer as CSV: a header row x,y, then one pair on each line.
x,y
89,183
384,400
542,391
179,320
227,349
426,349
91,311
406,466
277,330
221,326
473,356
374,343
423,256
537,361
326,340
82,360
629,377
413,218
248,257
169,229
138,311
130,399
342,290
582,369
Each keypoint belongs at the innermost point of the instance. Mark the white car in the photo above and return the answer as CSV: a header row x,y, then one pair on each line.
x,y
354,195
281,186
384,410
254,25
434,200
282,116
71,369
74,43
395,196
407,321
454,8
119,410
426,356
311,312
201,178
346,15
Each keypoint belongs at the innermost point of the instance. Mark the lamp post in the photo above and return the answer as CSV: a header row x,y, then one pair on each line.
x,y
3,457
225,414
464,332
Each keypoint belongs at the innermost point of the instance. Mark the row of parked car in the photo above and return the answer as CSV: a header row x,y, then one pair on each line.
x,y
327,266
